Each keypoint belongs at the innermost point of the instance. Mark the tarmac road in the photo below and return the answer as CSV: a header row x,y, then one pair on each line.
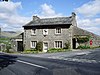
x,y
75,64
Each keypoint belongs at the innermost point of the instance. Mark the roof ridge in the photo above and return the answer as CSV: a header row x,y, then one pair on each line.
x,y
56,17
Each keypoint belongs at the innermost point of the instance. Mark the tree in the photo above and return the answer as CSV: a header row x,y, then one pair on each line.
x,y
67,45
82,39
39,46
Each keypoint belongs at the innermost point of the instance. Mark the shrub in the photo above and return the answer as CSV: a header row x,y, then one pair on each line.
x,y
39,46
83,47
8,47
67,45
30,51
83,39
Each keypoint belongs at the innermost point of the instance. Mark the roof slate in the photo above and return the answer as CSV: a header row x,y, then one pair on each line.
x,y
18,36
50,21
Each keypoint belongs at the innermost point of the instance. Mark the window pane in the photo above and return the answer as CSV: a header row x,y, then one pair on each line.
x,y
33,44
58,30
33,31
61,44
58,44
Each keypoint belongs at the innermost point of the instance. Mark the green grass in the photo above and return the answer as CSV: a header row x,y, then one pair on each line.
x,y
83,47
30,51
87,47
5,40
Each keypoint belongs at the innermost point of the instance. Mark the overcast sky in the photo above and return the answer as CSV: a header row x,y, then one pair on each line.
x,y
16,13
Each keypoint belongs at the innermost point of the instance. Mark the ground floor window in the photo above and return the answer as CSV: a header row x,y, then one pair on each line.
x,y
58,44
33,44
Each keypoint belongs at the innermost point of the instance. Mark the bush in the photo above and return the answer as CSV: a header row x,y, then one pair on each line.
x,y
8,47
30,51
67,45
83,47
39,46
54,50
81,39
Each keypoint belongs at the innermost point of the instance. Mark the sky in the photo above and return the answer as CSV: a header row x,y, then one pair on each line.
x,y
16,13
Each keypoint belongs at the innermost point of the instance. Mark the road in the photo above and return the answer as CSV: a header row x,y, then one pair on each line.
x,y
65,63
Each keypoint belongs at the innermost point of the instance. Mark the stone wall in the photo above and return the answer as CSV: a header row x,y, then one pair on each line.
x,y
50,38
80,32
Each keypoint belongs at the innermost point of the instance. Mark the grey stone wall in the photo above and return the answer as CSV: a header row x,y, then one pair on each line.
x,y
50,38
95,38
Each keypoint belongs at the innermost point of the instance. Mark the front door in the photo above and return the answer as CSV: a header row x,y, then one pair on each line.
x,y
19,46
74,43
45,46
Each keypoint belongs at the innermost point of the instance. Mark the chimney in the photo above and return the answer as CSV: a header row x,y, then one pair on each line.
x,y
74,23
36,18
73,14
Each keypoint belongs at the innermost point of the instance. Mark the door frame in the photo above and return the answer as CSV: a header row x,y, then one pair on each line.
x,y
19,46
43,46
74,43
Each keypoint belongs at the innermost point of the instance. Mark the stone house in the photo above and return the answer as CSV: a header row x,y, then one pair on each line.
x,y
53,32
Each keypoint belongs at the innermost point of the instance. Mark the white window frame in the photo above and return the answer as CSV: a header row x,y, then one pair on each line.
x,y
45,42
58,44
56,31
33,31
45,31
33,44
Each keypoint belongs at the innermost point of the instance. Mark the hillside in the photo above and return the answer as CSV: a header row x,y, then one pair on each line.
x,y
9,34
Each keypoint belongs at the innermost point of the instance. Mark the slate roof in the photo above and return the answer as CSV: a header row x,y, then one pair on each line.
x,y
49,21
18,36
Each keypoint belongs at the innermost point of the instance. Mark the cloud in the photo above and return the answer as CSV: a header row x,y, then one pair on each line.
x,y
88,16
90,24
9,17
87,22
11,20
47,11
9,7
90,9
93,29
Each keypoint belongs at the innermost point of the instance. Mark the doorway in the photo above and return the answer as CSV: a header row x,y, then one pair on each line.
x,y
19,46
45,46
74,43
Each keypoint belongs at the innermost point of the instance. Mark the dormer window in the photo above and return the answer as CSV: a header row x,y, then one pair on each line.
x,y
45,31
58,31
33,31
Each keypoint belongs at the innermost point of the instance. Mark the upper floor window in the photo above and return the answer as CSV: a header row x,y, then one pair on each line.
x,y
45,31
58,31
33,44
33,31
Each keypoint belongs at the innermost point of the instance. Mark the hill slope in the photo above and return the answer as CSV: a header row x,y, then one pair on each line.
x,y
9,34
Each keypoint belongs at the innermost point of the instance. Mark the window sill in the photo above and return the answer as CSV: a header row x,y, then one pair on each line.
x,y
32,47
57,33
33,34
